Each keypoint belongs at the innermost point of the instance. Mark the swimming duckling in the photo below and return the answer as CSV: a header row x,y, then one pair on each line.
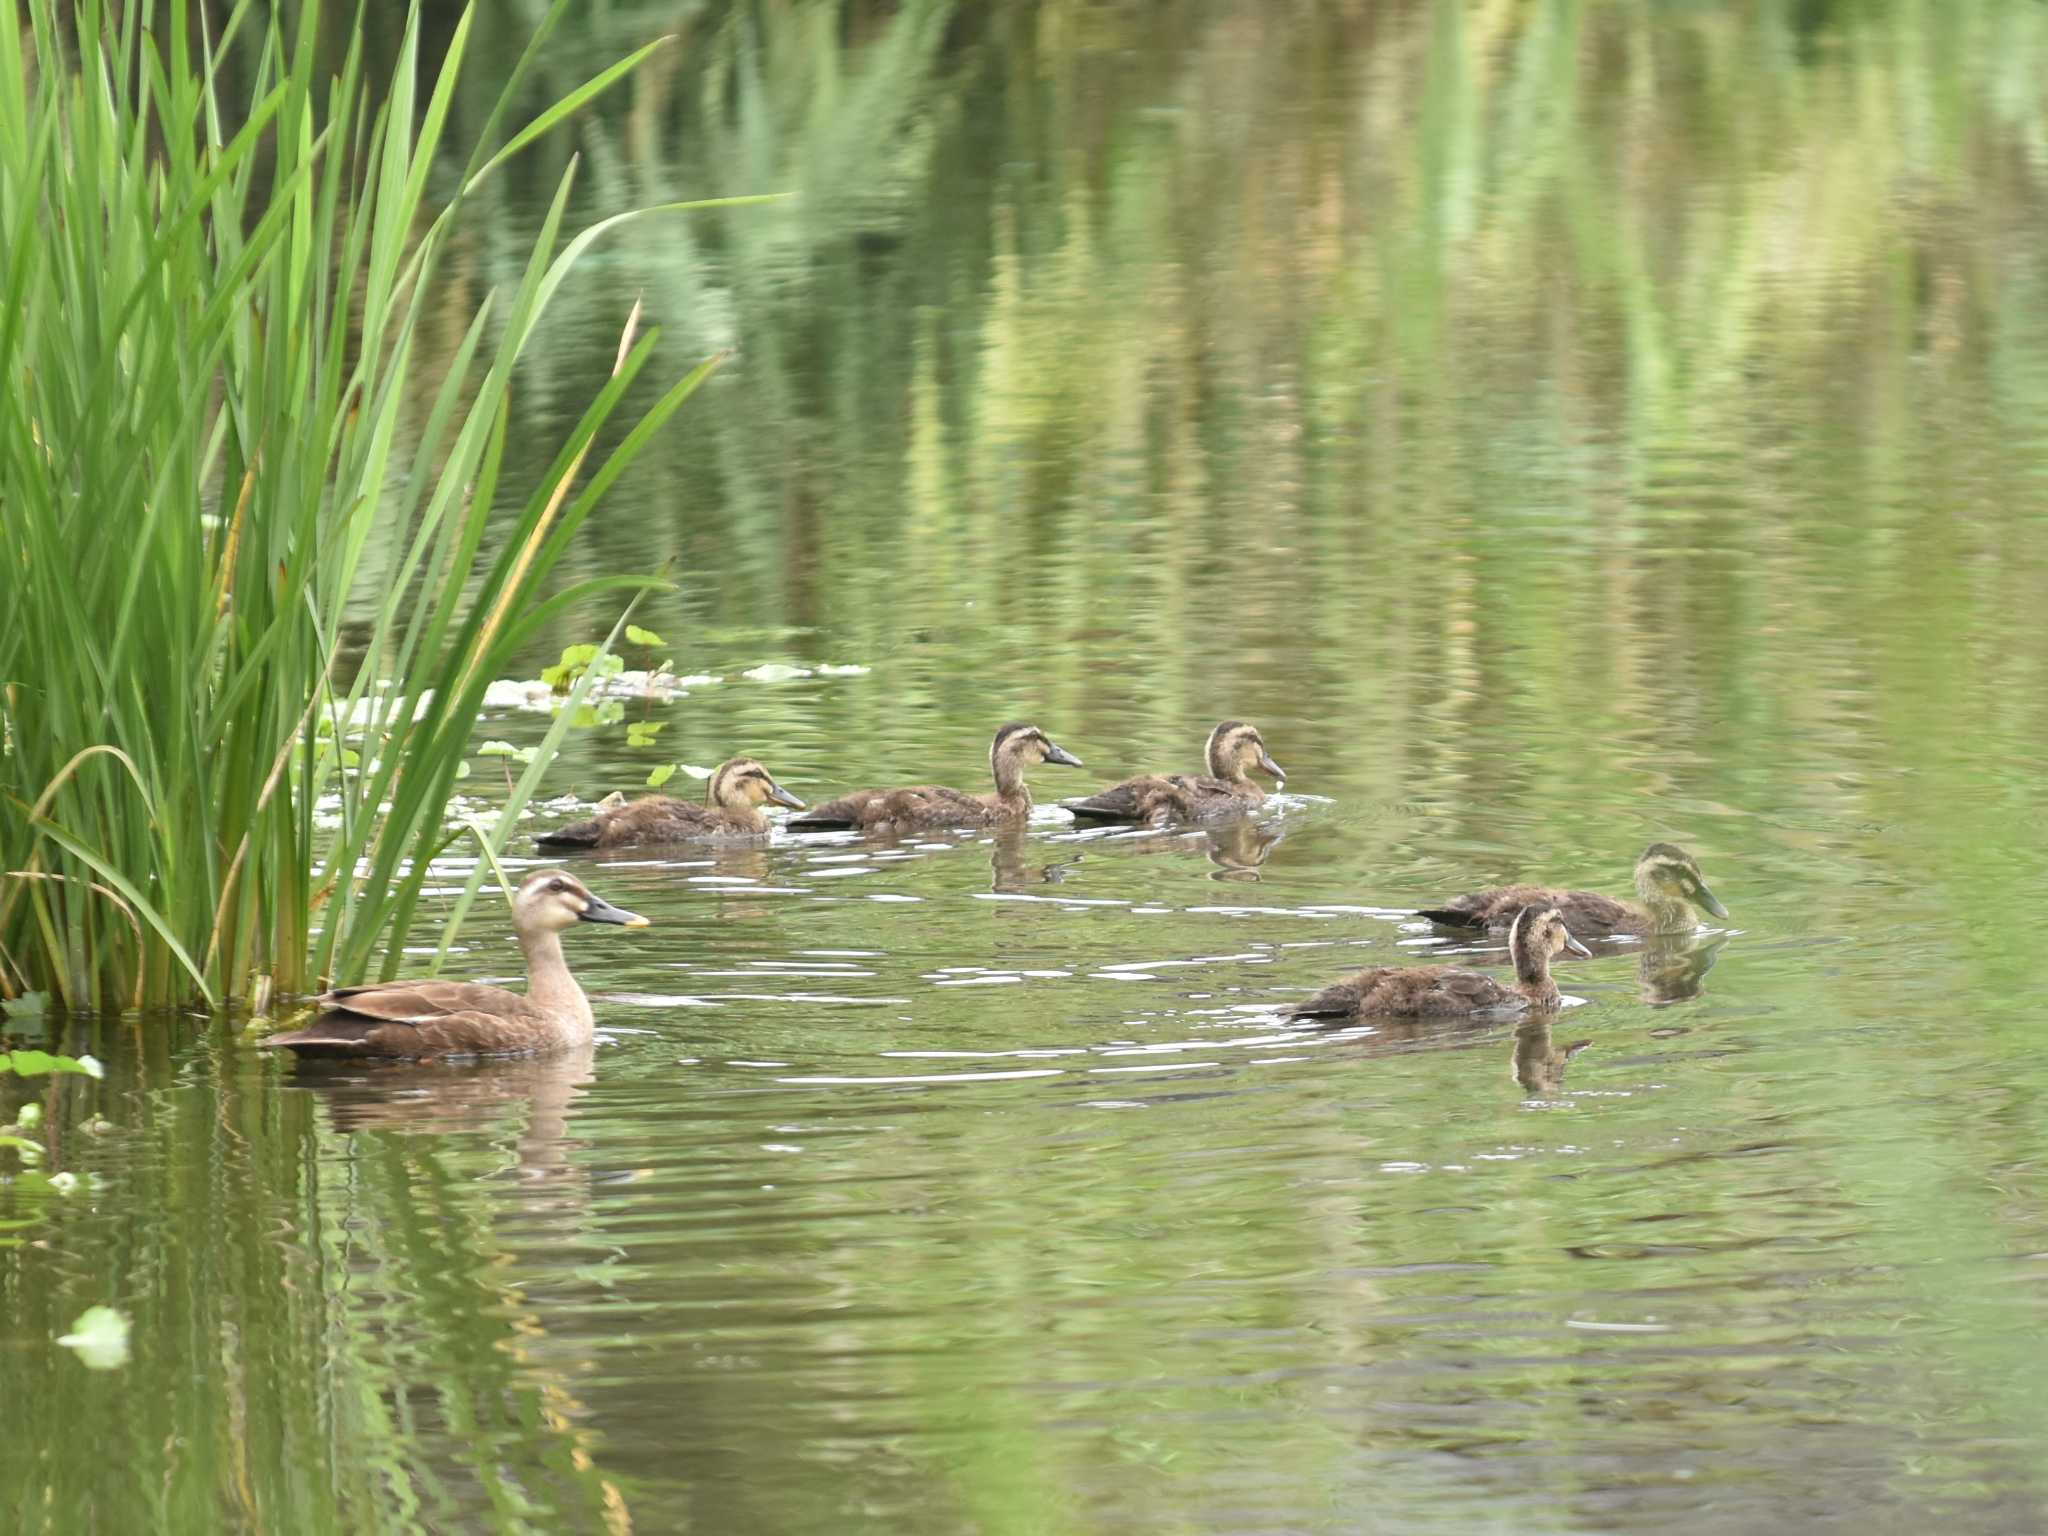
x,y
933,807
731,813
415,1020
1667,879
1397,991
1233,751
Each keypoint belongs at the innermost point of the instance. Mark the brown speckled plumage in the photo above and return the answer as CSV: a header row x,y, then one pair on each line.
x,y
934,807
1667,881
1417,991
731,813
1233,751
417,1020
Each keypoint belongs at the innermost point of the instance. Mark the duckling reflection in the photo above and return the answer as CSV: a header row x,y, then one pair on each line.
x,y
1538,1059
1236,848
1673,967
1011,870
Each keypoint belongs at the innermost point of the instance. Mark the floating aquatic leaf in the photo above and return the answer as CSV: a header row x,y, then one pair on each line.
x,y
850,669
576,660
42,1063
775,672
29,1151
638,636
695,772
661,775
30,1005
29,1116
641,733
505,749
100,1336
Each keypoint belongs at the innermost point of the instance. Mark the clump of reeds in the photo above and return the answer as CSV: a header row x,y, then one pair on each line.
x,y
213,402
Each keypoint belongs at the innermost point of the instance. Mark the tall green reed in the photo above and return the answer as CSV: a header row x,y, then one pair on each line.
x,y
211,304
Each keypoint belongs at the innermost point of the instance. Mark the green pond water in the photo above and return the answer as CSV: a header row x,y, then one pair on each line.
x,y
1559,426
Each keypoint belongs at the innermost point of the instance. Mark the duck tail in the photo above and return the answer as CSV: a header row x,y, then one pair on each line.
x,y
578,834
1451,917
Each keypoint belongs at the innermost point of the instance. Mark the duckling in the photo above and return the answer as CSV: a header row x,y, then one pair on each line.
x,y
417,1020
1233,751
1397,991
731,813
1667,879
888,812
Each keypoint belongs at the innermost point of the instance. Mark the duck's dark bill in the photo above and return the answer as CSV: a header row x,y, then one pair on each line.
x,y
602,911
782,796
1267,763
1058,754
1576,947
1712,902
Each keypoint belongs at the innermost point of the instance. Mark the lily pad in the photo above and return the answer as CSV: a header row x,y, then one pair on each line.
x,y
30,1005
775,672
100,1336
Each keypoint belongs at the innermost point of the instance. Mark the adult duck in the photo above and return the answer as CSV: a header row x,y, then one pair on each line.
x,y
418,1020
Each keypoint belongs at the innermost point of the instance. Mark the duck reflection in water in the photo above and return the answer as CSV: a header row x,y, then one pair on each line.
x,y
1673,967
528,1097
1012,871
1539,1061
1237,848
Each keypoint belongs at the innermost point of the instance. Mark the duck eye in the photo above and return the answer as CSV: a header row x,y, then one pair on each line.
x,y
557,885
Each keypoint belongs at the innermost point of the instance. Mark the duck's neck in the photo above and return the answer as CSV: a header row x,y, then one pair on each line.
x,y
550,986
1234,773
1532,977
1011,792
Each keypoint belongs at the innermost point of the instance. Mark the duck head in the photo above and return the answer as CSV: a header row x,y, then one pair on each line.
x,y
1538,937
1666,873
551,900
1236,749
742,784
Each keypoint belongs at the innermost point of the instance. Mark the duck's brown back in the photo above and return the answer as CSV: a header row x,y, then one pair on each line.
x,y
1160,798
1588,914
923,807
655,819
414,1020
1409,991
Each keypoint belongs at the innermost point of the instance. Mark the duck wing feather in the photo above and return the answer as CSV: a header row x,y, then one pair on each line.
x,y
422,1018
650,819
1395,991
1588,914
1164,797
876,810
